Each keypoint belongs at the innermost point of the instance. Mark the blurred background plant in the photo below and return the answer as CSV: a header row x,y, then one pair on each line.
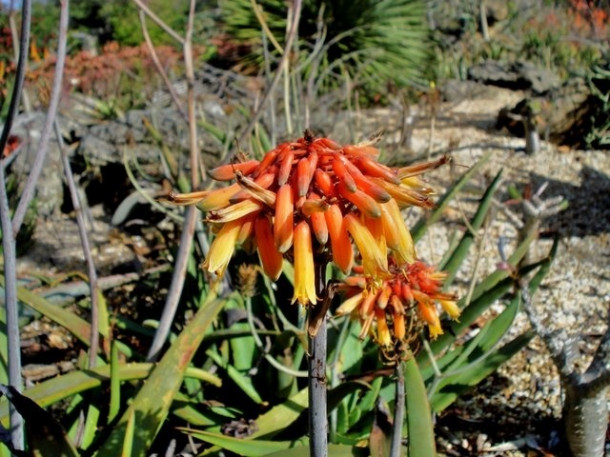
x,y
566,36
374,43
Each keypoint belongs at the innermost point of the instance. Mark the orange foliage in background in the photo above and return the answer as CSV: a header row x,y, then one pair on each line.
x,y
112,73
589,18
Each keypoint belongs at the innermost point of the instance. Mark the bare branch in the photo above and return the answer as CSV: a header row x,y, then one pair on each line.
x,y
24,45
188,228
159,67
177,283
12,312
84,239
43,145
557,342
292,31
190,79
8,238
157,20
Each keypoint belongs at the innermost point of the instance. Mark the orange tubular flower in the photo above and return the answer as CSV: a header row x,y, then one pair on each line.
x,y
332,195
271,258
407,293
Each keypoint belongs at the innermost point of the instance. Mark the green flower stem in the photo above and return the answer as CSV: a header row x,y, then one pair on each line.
x,y
318,415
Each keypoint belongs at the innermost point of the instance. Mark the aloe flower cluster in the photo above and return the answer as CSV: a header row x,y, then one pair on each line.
x,y
310,201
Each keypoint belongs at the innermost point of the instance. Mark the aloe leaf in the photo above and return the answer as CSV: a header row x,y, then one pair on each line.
x,y
334,398
213,130
420,226
244,382
103,316
90,426
419,418
367,402
336,395
245,447
472,375
3,347
264,140
56,389
243,350
190,414
513,261
151,405
129,434
70,321
45,435
115,383
488,291
490,334
277,418
479,372
468,316
459,253
344,417
476,350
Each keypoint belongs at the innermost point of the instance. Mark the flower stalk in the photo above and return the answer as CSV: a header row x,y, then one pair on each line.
x,y
399,412
318,415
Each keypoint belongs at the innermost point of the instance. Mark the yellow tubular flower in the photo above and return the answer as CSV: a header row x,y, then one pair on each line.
x,y
373,260
218,198
304,271
235,211
349,305
430,315
451,308
397,234
383,332
222,248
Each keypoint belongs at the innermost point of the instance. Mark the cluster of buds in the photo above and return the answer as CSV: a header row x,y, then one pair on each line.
x,y
305,202
388,299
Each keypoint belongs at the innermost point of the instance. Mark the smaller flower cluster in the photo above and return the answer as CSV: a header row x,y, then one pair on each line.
x,y
390,298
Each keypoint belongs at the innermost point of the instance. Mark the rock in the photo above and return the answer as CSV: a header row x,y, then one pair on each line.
x,y
49,191
516,76
563,116
497,10
455,90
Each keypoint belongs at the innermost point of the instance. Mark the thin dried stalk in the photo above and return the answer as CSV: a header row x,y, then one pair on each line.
x,y
159,67
157,20
84,239
8,238
47,128
190,220
292,31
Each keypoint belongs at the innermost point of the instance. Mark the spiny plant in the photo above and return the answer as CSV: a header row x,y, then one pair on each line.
x,y
375,42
